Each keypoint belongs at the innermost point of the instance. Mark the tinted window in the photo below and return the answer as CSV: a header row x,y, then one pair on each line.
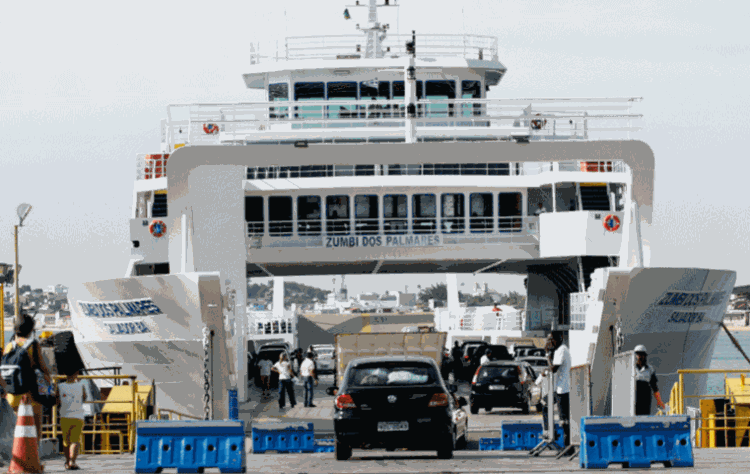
x,y
502,372
390,375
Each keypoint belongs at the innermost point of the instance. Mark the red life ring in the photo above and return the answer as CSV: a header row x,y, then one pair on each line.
x,y
210,128
157,228
611,222
538,124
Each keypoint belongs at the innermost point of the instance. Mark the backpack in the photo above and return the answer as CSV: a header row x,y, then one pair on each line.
x,y
16,369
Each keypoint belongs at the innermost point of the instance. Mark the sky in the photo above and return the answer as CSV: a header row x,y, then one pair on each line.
x,y
84,85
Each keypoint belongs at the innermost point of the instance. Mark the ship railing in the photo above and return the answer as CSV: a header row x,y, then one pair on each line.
x,y
393,46
117,419
714,427
437,119
167,414
488,229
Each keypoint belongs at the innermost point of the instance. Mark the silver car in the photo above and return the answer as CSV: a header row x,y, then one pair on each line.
x,y
325,357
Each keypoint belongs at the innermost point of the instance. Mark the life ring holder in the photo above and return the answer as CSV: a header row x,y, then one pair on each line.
x,y
157,228
611,222
210,128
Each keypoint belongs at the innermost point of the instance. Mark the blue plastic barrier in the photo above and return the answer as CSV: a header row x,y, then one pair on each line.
x,y
190,446
291,439
324,445
636,441
234,407
517,436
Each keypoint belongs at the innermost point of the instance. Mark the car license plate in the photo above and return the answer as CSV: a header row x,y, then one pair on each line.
x,y
393,426
497,387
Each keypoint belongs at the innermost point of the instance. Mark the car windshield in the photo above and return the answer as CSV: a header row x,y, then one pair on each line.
x,y
325,352
502,372
369,376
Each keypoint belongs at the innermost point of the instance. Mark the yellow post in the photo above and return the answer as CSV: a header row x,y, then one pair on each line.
x,y
131,425
682,393
712,432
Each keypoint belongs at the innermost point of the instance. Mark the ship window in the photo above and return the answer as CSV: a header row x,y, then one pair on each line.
x,y
480,206
280,215
424,213
254,214
404,169
539,200
594,197
445,168
619,190
342,91
337,215
278,93
394,214
471,90
399,91
474,168
364,170
376,91
308,215
159,209
366,214
452,213
309,91
509,207
440,90
565,197
498,169
316,171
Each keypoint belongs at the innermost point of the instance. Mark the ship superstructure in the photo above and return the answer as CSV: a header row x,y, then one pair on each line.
x,y
384,154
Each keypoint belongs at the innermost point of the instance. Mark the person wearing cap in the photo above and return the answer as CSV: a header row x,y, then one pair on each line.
x,y
645,383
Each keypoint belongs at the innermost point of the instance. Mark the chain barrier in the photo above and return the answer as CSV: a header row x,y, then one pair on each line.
x,y
206,374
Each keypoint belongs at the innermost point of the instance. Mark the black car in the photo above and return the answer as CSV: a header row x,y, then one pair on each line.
x,y
471,352
397,402
503,384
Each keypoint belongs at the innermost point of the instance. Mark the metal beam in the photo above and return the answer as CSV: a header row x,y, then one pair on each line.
x,y
377,267
264,269
499,262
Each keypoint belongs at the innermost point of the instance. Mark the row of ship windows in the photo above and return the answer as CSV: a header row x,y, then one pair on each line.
x,y
393,209
383,90
277,327
426,169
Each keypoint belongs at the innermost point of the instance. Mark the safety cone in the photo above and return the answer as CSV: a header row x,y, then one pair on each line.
x,y
25,458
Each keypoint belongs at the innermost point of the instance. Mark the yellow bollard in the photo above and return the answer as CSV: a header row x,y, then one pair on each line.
x,y
712,431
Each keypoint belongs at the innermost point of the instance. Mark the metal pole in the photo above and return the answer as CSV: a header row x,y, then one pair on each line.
x,y
17,302
2,314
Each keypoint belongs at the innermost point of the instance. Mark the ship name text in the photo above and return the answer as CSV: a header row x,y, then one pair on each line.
x,y
686,317
384,241
676,298
135,327
119,309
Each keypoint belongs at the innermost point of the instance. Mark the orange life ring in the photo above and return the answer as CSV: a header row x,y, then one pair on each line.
x,y
538,124
157,228
611,222
210,128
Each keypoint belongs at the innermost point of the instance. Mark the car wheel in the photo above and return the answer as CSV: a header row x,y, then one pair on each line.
x,y
461,442
446,451
474,408
342,450
539,407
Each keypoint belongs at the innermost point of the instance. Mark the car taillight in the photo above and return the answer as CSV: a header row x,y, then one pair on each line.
x,y
345,401
438,400
466,357
476,376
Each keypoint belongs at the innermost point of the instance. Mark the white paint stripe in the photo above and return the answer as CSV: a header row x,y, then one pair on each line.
x,y
25,410
25,431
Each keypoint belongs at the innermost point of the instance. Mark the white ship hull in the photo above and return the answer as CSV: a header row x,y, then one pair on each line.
x,y
152,327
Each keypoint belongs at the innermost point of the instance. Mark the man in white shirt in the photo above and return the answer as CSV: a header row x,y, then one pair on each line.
x,y
485,359
561,368
264,366
307,372
284,368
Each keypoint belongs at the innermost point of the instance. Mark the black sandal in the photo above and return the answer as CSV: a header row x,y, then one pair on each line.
x,y
74,467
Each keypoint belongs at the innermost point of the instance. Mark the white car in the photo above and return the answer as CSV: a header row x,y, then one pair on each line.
x,y
325,357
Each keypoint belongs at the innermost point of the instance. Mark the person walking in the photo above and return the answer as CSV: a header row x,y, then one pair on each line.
x,y
309,378
264,368
561,368
23,341
456,360
72,395
284,368
645,383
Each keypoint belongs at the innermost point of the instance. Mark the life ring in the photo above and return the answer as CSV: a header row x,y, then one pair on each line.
x,y
538,124
157,228
210,128
611,222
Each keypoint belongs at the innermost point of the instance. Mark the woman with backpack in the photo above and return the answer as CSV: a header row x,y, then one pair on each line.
x,y
23,341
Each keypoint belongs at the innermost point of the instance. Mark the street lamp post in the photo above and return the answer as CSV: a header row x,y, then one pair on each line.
x,y
22,211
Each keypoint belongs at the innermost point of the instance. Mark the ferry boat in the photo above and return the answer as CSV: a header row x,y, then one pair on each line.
x,y
380,154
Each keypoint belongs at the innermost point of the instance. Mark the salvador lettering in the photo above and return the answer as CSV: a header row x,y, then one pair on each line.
x,y
673,298
135,327
120,309
383,241
686,317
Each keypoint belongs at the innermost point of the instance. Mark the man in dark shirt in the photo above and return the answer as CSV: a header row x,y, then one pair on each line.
x,y
645,383
456,356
